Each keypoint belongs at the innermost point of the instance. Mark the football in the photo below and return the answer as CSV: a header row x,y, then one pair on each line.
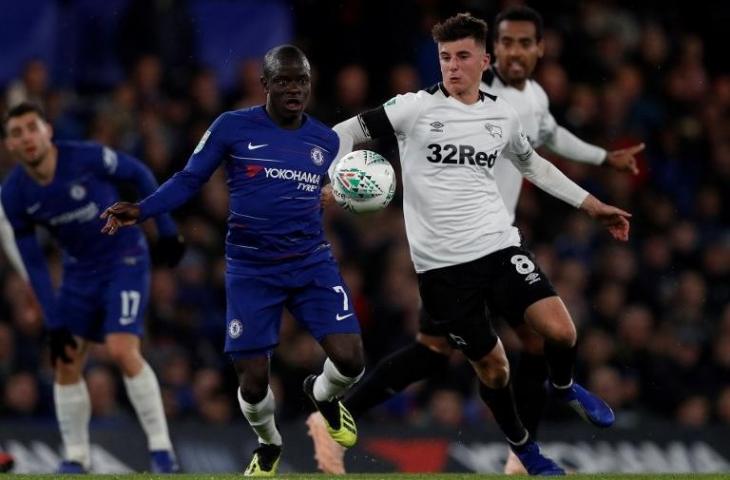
x,y
363,181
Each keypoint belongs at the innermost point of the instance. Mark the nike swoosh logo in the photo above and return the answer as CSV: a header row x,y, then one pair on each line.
x,y
256,147
33,208
342,317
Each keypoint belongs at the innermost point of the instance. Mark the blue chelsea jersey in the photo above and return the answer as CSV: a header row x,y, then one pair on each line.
x,y
84,184
275,177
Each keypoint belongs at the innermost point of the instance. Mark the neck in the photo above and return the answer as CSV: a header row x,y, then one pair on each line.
x,y
289,123
467,97
45,169
519,84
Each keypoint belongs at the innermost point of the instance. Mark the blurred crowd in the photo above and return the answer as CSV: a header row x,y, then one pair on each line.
x,y
653,315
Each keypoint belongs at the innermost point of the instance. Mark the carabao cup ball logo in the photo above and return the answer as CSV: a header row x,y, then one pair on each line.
x,y
357,183
235,328
317,156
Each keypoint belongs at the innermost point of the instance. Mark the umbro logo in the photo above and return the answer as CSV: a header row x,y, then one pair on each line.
x,y
256,147
532,278
339,317
437,127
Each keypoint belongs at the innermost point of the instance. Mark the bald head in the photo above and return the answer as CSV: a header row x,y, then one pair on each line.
x,y
282,55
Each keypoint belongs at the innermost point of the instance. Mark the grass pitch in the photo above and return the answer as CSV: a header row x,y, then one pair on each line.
x,y
375,476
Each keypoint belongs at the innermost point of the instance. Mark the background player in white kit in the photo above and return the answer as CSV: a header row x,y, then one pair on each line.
x,y
463,246
518,45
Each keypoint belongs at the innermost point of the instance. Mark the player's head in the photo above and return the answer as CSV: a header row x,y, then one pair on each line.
x,y
27,133
517,43
287,81
463,57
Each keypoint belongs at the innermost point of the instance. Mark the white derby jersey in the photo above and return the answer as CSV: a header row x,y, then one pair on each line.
x,y
532,107
449,152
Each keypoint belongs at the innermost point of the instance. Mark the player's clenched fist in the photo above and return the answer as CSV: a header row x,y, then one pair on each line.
x,y
121,214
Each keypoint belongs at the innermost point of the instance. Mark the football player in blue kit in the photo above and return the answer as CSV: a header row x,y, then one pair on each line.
x,y
276,158
62,187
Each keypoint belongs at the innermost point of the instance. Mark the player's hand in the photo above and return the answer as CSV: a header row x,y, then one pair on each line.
x,y
614,219
327,198
168,250
59,339
121,214
624,160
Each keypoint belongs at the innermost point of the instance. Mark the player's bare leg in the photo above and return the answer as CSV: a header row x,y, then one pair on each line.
x,y
143,391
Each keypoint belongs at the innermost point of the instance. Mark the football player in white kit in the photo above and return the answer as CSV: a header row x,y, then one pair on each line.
x,y
464,248
518,45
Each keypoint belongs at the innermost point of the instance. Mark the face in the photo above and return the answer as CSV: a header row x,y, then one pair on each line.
x,y
288,88
28,138
462,63
517,50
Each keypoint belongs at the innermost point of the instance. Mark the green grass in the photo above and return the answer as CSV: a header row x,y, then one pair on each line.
x,y
377,476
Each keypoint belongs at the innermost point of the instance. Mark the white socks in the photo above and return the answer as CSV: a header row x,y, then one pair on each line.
x,y
73,411
261,418
331,383
144,393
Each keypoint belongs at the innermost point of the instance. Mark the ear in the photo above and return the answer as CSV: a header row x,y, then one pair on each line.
x,y
264,83
540,48
486,60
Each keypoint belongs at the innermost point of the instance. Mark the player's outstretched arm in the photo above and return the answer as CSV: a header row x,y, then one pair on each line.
x,y
613,218
121,214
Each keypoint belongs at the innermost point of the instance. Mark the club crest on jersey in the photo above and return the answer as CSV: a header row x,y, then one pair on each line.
x,y
235,328
77,192
437,127
317,156
493,130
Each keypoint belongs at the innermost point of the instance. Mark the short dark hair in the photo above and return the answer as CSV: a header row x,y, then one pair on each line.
x,y
282,53
20,110
462,25
520,13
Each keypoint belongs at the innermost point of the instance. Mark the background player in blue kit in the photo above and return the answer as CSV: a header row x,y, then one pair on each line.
x,y
103,295
276,158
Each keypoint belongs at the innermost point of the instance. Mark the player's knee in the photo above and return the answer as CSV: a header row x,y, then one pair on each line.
x,y
120,354
496,376
493,370
565,336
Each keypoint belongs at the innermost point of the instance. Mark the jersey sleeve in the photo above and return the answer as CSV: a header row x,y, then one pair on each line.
x,y
562,141
546,124
207,156
120,167
396,116
30,253
518,145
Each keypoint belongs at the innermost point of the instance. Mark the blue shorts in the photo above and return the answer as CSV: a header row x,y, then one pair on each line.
x,y
316,296
112,300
